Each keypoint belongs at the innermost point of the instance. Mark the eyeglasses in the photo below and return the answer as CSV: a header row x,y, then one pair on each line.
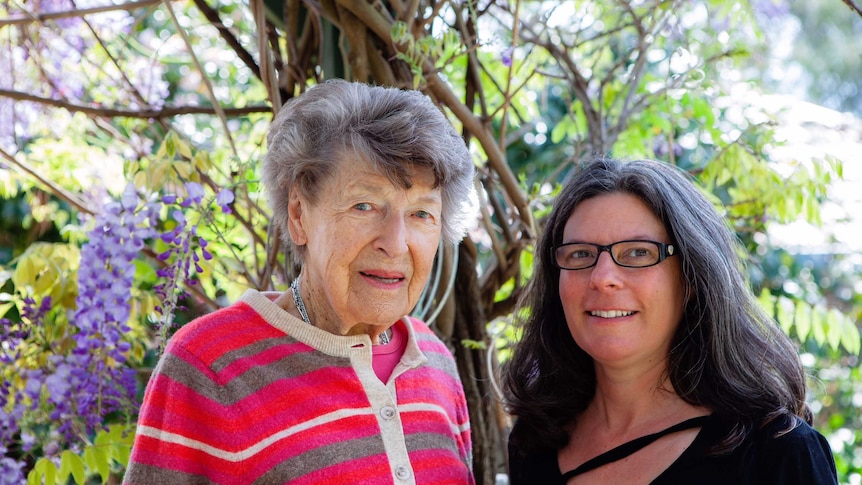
x,y
628,254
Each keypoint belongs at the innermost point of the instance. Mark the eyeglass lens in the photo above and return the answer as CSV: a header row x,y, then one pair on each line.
x,y
635,254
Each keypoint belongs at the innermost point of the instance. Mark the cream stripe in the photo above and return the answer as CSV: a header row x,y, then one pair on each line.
x,y
415,407
236,456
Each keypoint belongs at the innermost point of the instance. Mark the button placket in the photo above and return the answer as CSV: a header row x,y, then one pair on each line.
x,y
402,472
387,413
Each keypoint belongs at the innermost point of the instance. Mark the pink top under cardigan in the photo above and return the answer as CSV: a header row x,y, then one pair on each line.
x,y
250,394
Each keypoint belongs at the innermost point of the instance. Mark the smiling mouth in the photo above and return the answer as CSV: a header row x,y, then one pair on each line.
x,y
383,279
611,314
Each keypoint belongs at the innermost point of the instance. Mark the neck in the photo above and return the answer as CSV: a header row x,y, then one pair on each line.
x,y
629,400
378,335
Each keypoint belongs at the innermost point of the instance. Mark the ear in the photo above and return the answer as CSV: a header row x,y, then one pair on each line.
x,y
294,217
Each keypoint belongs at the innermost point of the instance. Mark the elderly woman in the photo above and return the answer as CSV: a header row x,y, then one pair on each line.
x,y
645,357
330,381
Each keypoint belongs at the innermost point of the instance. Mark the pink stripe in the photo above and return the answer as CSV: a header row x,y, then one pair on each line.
x,y
434,467
169,456
373,471
183,411
341,431
434,383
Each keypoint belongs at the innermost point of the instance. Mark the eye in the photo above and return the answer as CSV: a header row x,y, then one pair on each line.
x,y
424,214
362,206
578,252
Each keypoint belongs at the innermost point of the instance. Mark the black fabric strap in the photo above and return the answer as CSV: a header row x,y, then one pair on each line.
x,y
632,446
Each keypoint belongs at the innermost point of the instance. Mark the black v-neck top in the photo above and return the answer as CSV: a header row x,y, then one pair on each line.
x,y
801,456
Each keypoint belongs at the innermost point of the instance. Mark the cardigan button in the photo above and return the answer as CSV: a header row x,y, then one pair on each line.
x,y
402,472
387,412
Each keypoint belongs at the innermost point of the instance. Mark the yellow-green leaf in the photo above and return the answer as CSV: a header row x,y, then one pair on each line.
x,y
72,464
802,321
97,459
44,470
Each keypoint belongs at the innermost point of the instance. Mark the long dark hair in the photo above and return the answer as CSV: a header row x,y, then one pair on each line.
x,y
727,354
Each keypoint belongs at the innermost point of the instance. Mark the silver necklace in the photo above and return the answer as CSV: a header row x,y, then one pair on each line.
x,y
300,305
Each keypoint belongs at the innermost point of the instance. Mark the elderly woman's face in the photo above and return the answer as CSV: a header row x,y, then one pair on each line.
x,y
369,244
621,316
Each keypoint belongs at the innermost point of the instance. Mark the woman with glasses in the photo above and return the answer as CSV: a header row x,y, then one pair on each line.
x,y
645,358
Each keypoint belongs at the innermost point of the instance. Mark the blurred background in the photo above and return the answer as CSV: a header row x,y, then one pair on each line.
x,y
131,135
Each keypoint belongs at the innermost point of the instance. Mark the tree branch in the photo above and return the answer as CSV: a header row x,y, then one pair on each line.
x,y
42,17
212,15
122,113
853,7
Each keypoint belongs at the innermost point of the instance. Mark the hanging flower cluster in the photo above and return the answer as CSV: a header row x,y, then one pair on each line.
x,y
13,405
96,380
76,388
186,248
84,378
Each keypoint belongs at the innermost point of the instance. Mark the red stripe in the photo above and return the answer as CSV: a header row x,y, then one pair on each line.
x,y
437,467
170,456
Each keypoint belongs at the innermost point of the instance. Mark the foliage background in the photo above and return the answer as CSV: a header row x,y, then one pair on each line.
x,y
175,97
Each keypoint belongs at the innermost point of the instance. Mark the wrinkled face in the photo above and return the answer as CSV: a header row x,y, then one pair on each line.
x,y
621,316
370,245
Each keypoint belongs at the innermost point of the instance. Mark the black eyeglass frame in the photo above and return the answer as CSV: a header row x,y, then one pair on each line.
x,y
665,250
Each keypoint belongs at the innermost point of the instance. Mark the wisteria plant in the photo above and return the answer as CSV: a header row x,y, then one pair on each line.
x,y
69,391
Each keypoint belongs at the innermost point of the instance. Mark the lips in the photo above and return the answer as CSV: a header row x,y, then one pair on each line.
x,y
611,313
384,277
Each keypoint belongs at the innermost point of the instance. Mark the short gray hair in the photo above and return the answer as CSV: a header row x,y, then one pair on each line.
x,y
393,129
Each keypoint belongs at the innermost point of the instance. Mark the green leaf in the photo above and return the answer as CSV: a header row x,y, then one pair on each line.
x,y
473,344
850,338
5,308
44,472
561,130
72,464
802,321
98,459
818,326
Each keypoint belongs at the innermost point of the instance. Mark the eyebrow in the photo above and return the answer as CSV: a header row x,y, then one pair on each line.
x,y
627,238
430,198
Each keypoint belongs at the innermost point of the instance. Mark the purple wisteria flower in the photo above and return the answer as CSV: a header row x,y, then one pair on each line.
x,y
92,379
186,248
506,57
11,471
78,389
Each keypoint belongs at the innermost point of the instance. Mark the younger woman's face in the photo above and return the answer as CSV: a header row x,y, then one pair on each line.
x,y
622,317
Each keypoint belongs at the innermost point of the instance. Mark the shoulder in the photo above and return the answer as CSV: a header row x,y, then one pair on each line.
x,y
426,339
536,466
784,451
788,433
221,331
790,451
420,328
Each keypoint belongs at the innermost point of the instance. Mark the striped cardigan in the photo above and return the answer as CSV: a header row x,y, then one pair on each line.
x,y
250,394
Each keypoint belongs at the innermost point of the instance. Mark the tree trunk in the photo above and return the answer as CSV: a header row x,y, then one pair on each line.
x,y
488,455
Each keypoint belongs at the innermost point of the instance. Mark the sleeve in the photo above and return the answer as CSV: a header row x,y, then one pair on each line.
x,y
515,465
799,457
464,427
183,433
527,469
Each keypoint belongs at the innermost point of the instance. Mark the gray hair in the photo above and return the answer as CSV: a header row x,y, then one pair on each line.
x,y
391,128
727,353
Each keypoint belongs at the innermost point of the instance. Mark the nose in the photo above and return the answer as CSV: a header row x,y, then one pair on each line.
x,y
392,239
605,273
